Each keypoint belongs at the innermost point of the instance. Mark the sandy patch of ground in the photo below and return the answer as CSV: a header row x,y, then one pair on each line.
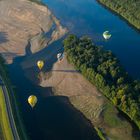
x,y
19,21
66,81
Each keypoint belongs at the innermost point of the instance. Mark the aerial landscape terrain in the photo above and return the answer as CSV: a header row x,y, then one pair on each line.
x,y
69,70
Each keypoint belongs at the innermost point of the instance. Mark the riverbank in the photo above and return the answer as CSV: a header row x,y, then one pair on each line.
x,y
128,10
103,69
11,126
5,129
67,82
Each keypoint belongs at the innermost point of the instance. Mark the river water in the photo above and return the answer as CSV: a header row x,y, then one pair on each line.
x,y
87,17
54,118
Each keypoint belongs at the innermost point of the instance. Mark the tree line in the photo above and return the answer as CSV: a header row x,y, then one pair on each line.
x,y
104,70
129,9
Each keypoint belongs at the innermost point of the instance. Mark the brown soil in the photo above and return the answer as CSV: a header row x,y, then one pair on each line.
x,y
66,81
19,21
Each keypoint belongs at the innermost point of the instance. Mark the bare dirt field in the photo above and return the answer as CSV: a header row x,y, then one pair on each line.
x,y
19,21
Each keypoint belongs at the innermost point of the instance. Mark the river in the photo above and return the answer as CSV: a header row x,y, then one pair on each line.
x,y
87,17
53,119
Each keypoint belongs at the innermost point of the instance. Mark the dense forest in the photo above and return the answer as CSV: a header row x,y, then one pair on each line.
x,y
104,70
129,9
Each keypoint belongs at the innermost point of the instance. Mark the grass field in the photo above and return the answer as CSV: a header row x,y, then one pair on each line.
x,y
5,129
105,117
111,118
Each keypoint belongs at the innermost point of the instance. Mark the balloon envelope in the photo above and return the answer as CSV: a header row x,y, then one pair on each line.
x,y
106,35
60,56
40,64
32,100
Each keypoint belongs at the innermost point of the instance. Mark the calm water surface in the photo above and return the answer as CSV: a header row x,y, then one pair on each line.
x,y
52,119
87,17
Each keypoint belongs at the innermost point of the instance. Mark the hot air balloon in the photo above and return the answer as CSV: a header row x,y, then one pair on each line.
x,y
106,35
32,100
40,64
60,56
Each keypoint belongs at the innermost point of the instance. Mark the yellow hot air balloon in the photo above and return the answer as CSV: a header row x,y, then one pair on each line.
x,y
32,100
40,64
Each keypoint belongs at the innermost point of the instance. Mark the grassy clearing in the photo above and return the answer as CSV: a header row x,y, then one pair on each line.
x,y
5,129
105,118
111,118
100,134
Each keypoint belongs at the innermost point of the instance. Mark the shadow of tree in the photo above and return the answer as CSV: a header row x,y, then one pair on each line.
x,y
28,48
3,37
69,71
